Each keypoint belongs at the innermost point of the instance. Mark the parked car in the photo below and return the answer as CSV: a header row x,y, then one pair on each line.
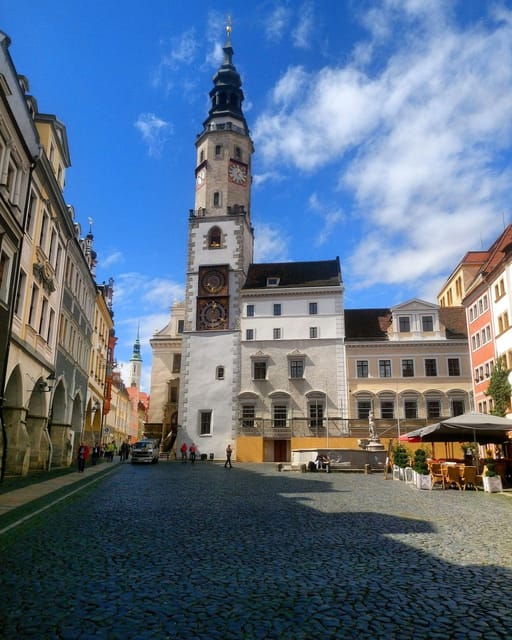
x,y
145,451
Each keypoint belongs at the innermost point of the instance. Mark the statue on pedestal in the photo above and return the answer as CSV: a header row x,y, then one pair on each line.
x,y
374,443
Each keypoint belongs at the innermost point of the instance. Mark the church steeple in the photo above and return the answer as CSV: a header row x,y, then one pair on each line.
x,y
136,362
227,95
224,150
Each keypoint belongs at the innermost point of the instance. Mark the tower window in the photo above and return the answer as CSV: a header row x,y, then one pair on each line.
x,y
216,199
218,151
238,153
201,156
214,238
219,374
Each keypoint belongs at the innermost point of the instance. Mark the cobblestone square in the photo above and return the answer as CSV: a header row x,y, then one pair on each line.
x,y
181,551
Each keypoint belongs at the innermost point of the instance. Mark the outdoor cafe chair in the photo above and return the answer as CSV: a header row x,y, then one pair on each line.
x,y
453,476
469,478
437,475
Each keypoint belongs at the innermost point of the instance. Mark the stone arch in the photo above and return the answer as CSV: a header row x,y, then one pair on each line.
x,y
37,425
17,456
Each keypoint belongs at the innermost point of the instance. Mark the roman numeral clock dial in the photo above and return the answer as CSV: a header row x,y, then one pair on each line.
x,y
237,173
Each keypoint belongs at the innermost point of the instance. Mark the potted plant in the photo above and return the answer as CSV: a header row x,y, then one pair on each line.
x,y
491,479
422,472
400,462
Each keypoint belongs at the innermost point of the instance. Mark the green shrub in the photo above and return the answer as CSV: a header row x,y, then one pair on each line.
x,y
420,462
490,469
400,456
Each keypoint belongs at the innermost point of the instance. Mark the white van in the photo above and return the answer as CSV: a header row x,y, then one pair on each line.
x,y
145,451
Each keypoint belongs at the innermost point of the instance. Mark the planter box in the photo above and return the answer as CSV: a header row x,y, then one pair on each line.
x,y
492,485
423,482
409,474
400,473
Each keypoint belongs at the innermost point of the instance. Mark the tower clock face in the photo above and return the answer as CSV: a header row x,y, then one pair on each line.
x,y
200,177
213,281
213,314
237,173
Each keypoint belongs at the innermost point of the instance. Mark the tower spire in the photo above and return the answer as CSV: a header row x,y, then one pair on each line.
x,y
229,28
136,361
227,95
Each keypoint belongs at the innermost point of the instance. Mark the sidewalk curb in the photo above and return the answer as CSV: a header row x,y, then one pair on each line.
x,y
82,485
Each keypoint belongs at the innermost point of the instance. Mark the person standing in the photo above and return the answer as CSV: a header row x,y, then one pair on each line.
x,y
229,451
95,454
183,450
83,454
192,453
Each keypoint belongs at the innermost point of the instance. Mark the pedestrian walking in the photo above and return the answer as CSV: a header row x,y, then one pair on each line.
x,y
83,454
192,453
229,451
109,451
183,450
95,454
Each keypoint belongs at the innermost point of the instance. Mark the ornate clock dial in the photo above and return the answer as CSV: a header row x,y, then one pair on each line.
x,y
213,281
213,315
237,173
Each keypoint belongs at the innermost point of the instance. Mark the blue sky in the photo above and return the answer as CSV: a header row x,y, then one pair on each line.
x,y
382,133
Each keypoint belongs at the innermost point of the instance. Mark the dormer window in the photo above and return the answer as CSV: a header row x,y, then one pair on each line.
x,y
272,282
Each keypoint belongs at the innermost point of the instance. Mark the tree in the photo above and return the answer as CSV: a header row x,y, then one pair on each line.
x,y
499,388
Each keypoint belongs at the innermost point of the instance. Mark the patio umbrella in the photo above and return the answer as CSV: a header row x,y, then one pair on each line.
x,y
406,437
473,427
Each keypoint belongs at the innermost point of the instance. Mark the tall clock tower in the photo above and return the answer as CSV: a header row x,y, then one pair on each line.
x,y
220,249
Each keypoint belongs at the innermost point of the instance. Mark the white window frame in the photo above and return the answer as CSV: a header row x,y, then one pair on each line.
x,y
205,413
7,252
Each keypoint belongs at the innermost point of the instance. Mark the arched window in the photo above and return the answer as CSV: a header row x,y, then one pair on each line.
x,y
214,238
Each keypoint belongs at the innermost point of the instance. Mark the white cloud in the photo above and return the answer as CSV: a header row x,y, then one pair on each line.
x,y
179,51
183,50
301,34
113,258
270,245
418,141
133,289
277,23
331,218
154,131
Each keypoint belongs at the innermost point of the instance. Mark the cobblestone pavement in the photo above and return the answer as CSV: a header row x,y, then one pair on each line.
x,y
180,551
